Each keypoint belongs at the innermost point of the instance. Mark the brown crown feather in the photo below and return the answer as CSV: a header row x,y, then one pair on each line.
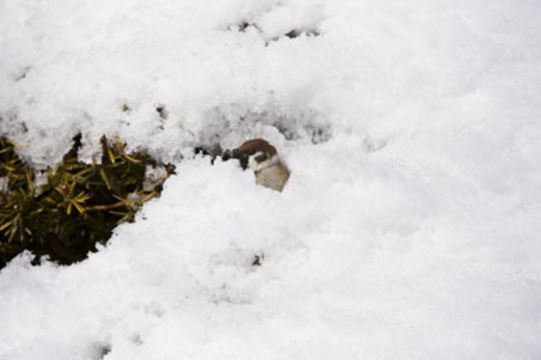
x,y
250,147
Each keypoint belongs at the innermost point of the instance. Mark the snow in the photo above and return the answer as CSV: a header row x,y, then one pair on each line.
x,y
409,228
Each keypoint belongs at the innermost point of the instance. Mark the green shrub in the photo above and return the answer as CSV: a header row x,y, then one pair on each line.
x,y
78,205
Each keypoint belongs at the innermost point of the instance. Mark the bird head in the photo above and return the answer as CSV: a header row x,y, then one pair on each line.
x,y
255,154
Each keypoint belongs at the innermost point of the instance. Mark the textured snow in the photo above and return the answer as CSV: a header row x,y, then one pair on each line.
x,y
409,228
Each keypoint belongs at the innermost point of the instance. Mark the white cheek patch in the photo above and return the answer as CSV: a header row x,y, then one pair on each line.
x,y
252,163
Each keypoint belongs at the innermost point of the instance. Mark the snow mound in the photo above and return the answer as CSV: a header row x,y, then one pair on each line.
x,y
409,227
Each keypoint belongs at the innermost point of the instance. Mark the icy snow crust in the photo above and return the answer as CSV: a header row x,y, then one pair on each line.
x,y
411,231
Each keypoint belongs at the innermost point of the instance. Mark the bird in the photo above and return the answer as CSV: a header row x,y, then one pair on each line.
x,y
261,157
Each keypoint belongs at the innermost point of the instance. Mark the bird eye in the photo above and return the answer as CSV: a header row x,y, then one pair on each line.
x,y
261,158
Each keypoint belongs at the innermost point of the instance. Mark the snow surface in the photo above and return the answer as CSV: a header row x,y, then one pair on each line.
x,y
409,228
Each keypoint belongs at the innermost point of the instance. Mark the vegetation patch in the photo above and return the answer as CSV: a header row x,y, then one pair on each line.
x,y
75,205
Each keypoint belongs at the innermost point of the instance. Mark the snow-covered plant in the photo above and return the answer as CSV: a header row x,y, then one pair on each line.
x,y
77,207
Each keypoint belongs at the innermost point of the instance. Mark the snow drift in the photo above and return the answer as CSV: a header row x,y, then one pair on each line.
x,y
410,225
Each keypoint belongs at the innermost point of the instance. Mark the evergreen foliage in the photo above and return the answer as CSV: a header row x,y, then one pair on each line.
x,y
78,206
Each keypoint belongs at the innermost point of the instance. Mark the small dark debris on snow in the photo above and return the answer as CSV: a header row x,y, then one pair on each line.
x,y
243,26
160,109
102,349
22,74
258,260
295,33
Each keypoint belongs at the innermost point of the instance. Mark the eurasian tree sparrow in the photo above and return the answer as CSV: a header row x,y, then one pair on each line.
x,y
262,158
